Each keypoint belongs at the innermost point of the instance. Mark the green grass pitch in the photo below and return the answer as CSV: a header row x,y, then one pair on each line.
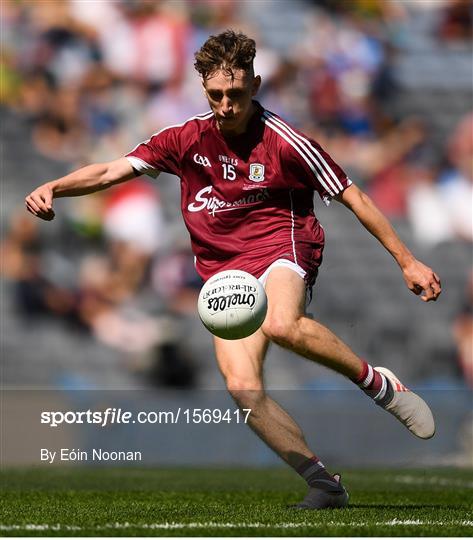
x,y
229,502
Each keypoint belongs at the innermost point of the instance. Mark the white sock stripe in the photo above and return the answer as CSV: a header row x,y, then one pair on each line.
x,y
311,152
369,378
382,392
274,127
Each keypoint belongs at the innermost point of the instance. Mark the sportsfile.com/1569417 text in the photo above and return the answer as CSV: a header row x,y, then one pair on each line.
x,y
114,415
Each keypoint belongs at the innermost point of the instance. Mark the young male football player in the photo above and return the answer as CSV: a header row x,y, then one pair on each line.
x,y
247,184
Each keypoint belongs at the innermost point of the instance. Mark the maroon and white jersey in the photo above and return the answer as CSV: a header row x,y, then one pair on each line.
x,y
246,200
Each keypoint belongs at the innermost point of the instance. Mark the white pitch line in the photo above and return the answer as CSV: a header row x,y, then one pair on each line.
x,y
214,525
421,481
432,481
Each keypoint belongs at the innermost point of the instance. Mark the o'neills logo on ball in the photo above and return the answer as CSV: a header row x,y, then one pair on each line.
x,y
221,303
222,289
232,304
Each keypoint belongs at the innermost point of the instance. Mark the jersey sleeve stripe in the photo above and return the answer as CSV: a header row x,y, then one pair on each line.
x,y
141,166
269,123
203,116
311,151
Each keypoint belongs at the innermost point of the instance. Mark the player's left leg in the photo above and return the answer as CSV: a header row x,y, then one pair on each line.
x,y
287,325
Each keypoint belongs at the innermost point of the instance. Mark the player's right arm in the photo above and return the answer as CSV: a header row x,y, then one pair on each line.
x,y
81,182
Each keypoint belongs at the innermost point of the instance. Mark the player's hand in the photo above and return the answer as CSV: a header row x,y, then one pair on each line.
x,y
422,280
40,202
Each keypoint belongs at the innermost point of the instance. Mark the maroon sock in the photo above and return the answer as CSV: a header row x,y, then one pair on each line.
x,y
373,383
314,473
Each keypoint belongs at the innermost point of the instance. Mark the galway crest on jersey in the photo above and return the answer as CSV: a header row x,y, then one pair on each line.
x,y
256,172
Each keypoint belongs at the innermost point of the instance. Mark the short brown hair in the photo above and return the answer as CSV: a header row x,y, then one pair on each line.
x,y
227,51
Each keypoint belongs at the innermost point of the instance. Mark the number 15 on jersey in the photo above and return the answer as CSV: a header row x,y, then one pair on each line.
x,y
228,171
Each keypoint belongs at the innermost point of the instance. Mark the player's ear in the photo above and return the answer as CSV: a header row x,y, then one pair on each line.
x,y
256,85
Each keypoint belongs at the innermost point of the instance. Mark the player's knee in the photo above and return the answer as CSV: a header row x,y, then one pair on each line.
x,y
246,392
279,329
243,384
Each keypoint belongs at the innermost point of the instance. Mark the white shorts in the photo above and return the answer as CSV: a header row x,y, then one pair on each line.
x,y
284,263
292,266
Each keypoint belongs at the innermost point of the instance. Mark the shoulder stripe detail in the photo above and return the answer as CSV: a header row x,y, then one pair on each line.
x,y
203,116
269,123
313,152
317,158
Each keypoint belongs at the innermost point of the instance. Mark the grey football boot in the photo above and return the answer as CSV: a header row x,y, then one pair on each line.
x,y
408,408
333,496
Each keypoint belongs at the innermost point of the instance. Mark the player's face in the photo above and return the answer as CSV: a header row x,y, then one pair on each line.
x,y
231,99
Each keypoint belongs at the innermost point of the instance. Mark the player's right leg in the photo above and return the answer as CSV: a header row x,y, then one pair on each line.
x,y
241,363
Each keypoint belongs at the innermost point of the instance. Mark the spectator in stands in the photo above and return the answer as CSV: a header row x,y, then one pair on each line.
x,y
426,211
456,21
37,293
133,215
59,133
441,203
463,334
385,163
134,32
175,280
456,184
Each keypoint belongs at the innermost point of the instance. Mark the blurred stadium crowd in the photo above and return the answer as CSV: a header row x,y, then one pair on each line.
x,y
86,81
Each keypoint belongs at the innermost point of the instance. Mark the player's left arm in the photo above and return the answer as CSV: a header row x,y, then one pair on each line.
x,y
420,279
